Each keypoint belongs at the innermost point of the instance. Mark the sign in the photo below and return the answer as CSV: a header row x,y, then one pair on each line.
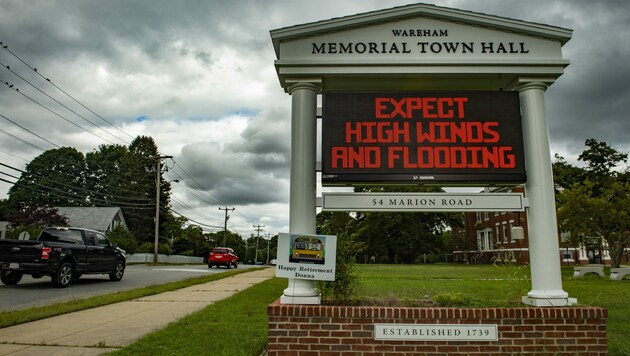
x,y
439,137
303,256
423,202
436,332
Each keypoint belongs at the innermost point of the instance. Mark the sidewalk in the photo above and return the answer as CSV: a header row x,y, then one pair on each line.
x,y
104,329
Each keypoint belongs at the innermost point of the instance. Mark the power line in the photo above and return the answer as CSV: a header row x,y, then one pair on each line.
x,y
204,189
6,47
60,103
66,195
29,131
21,140
17,90
74,187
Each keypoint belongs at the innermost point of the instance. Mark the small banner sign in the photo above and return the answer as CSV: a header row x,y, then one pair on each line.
x,y
302,256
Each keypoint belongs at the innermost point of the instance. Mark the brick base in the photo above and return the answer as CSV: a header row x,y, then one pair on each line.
x,y
341,330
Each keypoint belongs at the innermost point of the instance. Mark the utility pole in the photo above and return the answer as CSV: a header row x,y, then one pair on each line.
x,y
158,183
257,228
225,224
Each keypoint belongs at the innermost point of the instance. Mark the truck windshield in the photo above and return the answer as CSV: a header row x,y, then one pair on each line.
x,y
62,235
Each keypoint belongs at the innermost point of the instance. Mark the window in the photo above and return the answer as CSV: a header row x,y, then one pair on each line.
x,y
90,239
498,234
101,240
61,235
505,230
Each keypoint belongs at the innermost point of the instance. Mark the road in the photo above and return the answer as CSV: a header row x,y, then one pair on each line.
x,y
32,292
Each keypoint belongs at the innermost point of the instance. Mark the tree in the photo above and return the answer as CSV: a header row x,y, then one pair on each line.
x,y
191,242
54,178
37,216
606,215
5,209
598,205
139,173
403,237
106,170
601,158
123,238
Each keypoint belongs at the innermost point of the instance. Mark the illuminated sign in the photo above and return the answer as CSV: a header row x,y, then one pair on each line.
x,y
422,137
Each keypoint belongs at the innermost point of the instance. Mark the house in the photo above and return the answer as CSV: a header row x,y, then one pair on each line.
x,y
97,218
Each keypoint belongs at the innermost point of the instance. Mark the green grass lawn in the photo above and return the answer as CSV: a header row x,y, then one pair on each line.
x,y
490,286
238,325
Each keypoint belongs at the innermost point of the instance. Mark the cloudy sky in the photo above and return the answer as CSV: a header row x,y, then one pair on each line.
x,y
198,77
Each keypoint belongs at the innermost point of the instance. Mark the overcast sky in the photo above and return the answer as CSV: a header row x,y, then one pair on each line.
x,y
198,77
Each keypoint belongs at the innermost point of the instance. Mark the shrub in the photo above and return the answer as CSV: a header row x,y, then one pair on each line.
x,y
124,239
147,247
452,299
343,289
33,231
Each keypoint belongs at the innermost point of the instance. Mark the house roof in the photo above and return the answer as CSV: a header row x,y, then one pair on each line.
x,y
96,218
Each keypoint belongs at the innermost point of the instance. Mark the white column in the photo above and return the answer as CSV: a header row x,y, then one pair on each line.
x,y
302,212
541,213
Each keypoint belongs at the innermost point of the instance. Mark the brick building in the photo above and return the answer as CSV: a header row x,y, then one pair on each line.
x,y
488,236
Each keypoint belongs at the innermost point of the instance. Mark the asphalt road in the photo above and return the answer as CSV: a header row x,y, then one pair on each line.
x,y
32,292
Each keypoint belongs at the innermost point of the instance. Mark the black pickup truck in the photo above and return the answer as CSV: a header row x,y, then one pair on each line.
x,y
63,253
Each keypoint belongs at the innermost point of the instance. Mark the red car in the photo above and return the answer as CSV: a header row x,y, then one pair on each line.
x,y
222,256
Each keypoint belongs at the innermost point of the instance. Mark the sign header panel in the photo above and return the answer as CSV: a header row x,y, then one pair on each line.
x,y
437,137
423,202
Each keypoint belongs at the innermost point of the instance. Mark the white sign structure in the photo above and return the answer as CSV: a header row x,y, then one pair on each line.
x,y
310,257
423,202
436,332
422,47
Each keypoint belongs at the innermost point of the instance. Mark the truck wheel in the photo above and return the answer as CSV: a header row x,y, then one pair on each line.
x,y
118,273
235,264
63,276
10,278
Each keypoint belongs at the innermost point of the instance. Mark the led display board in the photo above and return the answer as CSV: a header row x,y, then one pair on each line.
x,y
430,137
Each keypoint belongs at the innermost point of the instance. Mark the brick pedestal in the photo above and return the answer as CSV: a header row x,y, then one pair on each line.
x,y
340,330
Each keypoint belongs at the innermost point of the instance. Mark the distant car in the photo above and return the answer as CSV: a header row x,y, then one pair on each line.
x,y
273,262
222,256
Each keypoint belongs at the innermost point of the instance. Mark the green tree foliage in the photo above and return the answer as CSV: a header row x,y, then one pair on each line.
x,y
54,178
600,159
141,174
191,241
598,206
404,237
37,216
5,209
343,289
106,176
114,175
123,238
